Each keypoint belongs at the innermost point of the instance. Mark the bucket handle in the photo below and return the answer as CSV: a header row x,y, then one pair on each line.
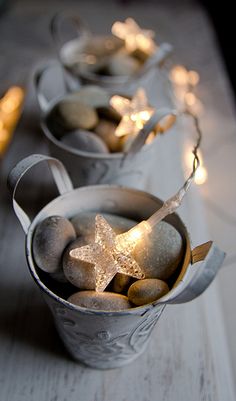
x,y
38,76
206,260
60,175
55,27
158,115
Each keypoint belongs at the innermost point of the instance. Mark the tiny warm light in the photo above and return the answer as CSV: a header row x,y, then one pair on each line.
x,y
193,77
201,175
179,75
190,99
135,38
135,112
10,111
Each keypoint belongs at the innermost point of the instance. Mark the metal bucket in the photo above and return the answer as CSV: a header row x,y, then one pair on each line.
x,y
88,168
104,339
74,34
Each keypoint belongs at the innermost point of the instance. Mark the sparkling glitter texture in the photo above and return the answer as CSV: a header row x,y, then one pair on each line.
x,y
135,113
110,254
135,38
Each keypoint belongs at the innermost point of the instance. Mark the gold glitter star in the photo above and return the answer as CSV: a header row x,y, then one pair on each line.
x,y
135,113
109,254
134,37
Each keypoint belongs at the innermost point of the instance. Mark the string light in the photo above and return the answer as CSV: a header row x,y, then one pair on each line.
x,y
10,111
135,112
135,38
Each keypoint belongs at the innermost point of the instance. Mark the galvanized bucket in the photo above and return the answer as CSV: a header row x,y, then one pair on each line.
x,y
88,168
78,32
104,339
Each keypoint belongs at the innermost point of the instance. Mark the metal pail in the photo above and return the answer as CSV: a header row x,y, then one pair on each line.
x,y
103,339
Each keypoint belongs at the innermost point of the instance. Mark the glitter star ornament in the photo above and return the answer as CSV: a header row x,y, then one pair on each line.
x,y
135,112
108,254
135,38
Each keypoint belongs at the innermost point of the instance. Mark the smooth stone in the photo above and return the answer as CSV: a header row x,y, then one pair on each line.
x,y
103,45
160,252
73,114
106,130
122,64
84,223
121,282
85,140
107,301
50,238
92,95
80,274
146,291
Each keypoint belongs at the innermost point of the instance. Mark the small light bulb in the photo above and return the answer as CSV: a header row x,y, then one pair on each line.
x,y
193,78
200,175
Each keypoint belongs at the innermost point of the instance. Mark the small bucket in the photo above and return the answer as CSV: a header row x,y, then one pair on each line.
x,y
88,168
103,339
69,34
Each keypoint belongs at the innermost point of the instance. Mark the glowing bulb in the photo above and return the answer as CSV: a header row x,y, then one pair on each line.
x,y
190,99
135,113
179,75
201,175
135,38
193,78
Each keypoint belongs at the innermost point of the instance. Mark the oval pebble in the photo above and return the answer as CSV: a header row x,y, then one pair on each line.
x,y
92,95
72,114
146,291
51,237
84,223
160,253
106,130
121,282
107,301
85,140
123,64
80,274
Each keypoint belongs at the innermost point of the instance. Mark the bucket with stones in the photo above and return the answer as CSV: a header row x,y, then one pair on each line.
x,y
77,49
109,338
106,163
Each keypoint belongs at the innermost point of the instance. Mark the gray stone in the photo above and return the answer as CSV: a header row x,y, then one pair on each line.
x,y
106,130
92,95
123,64
160,252
73,114
146,291
121,282
103,45
84,140
100,300
80,274
50,239
84,223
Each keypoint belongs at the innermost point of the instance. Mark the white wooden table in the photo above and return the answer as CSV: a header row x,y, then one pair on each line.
x,y
188,356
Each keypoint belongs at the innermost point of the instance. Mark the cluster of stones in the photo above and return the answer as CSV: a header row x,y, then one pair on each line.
x,y
101,56
85,121
159,255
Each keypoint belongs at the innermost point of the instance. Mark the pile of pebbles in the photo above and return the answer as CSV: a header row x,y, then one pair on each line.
x,y
85,121
158,254
101,56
